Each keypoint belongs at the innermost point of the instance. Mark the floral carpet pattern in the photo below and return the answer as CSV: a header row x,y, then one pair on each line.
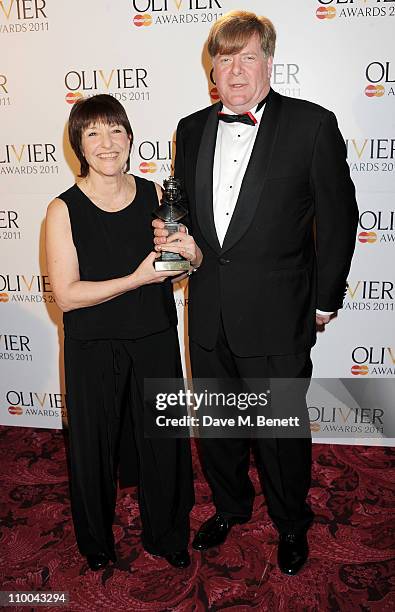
x,y
352,545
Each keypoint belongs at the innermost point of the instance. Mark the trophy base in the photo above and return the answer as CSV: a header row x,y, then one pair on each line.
x,y
172,266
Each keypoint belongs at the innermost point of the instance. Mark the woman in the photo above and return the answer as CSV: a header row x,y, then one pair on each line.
x,y
120,327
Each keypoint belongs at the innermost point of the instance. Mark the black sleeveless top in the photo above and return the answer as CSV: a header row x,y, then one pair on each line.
x,y
110,245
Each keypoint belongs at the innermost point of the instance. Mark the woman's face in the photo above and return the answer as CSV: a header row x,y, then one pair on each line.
x,y
106,148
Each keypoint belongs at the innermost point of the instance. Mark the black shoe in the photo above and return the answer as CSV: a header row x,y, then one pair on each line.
x,y
180,558
214,531
292,553
97,561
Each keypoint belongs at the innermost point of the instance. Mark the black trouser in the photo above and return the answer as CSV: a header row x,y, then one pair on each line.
x,y
105,381
284,463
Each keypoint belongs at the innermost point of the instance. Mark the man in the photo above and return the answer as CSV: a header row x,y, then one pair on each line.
x,y
272,208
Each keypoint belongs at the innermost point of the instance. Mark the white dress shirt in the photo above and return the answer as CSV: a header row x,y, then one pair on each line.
x,y
233,149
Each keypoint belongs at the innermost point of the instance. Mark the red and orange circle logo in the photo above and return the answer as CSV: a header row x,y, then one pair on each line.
x,y
15,410
73,96
142,20
367,237
359,370
374,91
146,167
326,12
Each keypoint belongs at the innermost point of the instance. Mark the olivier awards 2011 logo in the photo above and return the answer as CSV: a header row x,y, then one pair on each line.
x,y
353,9
373,361
21,16
155,156
376,226
32,288
380,82
370,295
125,84
34,403
371,154
344,420
148,13
15,348
28,158
10,228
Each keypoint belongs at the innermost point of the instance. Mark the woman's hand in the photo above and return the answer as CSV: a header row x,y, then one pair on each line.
x,y
180,242
146,274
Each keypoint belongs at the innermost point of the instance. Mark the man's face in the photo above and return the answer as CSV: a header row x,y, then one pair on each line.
x,y
243,79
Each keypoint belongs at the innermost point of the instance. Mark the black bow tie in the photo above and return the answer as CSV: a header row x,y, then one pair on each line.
x,y
247,118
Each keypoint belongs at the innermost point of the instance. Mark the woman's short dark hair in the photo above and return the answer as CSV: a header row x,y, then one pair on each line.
x,y
102,108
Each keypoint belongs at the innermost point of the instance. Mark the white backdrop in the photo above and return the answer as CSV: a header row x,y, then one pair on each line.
x,y
149,54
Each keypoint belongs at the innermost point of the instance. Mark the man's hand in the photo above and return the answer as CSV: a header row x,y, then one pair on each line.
x,y
180,242
323,319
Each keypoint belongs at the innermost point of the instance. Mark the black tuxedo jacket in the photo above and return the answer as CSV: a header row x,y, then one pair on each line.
x,y
289,244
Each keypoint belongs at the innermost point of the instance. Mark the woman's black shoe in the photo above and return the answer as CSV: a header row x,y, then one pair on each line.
x,y
97,561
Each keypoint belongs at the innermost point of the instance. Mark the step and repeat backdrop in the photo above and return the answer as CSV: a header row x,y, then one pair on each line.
x,y
150,55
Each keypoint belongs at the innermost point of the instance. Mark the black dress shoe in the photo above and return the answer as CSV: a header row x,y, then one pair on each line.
x,y
97,561
180,558
214,532
292,553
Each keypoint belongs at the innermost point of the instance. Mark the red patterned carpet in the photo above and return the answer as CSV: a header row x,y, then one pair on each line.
x,y
351,566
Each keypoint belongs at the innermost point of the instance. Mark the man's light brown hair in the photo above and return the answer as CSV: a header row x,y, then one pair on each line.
x,y
231,32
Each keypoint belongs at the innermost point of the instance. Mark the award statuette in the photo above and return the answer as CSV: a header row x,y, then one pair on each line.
x,y
171,212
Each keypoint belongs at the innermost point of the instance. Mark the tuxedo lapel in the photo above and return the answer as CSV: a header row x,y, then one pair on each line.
x,y
254,178
204,179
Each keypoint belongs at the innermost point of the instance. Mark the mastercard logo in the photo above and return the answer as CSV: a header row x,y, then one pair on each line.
x,y
359,370
4,297
326,12
16,410
374,91
315,427
367,237
72,97
142,20
214,94
146,167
